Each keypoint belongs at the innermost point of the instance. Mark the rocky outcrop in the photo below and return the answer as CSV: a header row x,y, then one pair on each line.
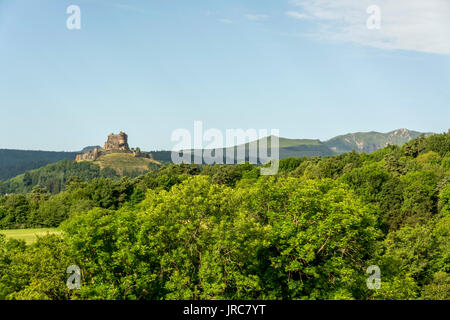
x,y
116,143
369,142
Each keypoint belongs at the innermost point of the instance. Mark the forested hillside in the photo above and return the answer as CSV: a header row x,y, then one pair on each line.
x,y
15,162
225,232
53,177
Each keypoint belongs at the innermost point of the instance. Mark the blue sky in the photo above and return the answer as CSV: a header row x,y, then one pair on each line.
x,y
309,68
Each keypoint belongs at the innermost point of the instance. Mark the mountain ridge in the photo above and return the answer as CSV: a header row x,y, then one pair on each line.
x,y
371,141
367,142
15,162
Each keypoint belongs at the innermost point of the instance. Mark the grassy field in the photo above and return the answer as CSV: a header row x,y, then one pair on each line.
x,y
29,235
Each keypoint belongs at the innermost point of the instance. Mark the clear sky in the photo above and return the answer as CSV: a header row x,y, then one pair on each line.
x,y
310,68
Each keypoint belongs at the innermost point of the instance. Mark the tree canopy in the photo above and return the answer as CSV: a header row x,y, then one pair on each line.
x,y
225,232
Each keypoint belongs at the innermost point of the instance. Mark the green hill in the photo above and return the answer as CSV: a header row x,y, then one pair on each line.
x,y
303,147
125,164
287,148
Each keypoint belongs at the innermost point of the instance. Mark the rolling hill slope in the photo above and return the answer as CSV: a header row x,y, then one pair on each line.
x,y
126,164
287,148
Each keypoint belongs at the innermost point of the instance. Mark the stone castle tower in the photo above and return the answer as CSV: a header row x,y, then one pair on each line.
x,y
116,143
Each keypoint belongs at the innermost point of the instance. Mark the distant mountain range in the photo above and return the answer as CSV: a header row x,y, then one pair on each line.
x,y
14,162
360,142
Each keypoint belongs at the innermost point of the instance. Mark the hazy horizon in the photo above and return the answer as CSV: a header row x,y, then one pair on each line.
x,y
225,146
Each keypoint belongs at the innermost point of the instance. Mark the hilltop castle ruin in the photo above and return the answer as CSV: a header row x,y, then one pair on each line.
x,y
116,143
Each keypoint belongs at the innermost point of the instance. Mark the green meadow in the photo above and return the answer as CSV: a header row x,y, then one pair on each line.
x,y
29,235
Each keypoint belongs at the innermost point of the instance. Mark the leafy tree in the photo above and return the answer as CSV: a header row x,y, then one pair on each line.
x,y
439,288
367,181
321,235
35,272
420,196
444,200
412,256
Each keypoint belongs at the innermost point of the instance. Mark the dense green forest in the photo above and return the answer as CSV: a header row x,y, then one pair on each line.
x,y
15,162
225,232
53,177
